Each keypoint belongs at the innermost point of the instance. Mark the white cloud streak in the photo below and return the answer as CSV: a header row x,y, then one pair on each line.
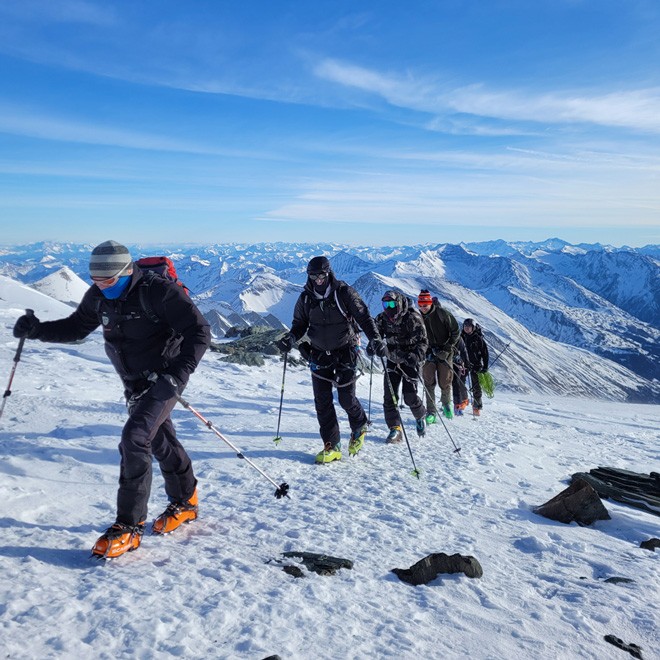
x,y
630,109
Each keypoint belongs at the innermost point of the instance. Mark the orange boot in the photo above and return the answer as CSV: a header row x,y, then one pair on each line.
x,y
176,514
117,540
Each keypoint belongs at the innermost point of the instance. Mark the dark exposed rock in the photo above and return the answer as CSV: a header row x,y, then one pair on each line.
x,y
432,565
619,580
641,491
247,358
633,649
317,563
651,544
578,503
296,571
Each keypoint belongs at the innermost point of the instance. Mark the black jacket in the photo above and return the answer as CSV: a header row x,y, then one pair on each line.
x,y
327,328
476,348
406,334
441,329
135,344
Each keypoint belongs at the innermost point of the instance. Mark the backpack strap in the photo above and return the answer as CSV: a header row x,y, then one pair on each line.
x,y
143,293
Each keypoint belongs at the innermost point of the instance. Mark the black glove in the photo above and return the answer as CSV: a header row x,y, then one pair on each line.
x,y
165,387
483,370
27,326
286,342
370,350
305,349
440,354
379,347
411,361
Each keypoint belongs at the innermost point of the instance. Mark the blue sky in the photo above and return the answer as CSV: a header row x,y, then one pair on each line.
x,y
361,122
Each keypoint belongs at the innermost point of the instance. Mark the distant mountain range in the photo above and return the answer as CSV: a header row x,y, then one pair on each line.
x,y
545,300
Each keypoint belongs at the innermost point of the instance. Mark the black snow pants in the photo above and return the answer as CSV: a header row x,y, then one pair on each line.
x,y
476,390
335,369
149,433
407,377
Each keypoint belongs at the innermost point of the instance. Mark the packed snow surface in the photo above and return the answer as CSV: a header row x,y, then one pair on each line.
x,y
214,589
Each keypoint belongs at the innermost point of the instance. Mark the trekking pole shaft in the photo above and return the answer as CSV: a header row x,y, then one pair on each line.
x,y
396,405
457,449
17,358
279,416
371,378
239,453
499,355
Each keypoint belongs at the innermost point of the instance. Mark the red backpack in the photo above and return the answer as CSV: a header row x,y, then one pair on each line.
x,y
156,267
162,266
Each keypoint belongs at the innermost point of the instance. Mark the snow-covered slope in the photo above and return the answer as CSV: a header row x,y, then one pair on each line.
x,y
214,589
597,298
63,285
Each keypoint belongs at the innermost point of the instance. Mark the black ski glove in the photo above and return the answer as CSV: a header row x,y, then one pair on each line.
x,y
165,387
379,347
411,361
27,326
440,355
286,342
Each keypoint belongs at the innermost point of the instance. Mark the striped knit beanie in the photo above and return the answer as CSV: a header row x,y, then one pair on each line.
x,y
424,298
109,259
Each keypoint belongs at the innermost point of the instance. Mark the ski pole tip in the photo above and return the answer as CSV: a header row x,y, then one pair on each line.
x,y
282,491
277,440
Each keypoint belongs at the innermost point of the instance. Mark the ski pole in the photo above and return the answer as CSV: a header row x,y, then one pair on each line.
x,y
282,489
415,471
499,355
278,438
457,449
371,377
17,357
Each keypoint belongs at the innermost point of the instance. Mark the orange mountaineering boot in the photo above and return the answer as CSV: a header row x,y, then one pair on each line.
x,y
175,515
117,540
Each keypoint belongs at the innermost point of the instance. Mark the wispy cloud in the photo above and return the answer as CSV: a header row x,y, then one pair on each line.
x,y
17,121
61,11
631,109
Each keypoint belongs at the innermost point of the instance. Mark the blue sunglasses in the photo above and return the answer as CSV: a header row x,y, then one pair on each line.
x,y
389,304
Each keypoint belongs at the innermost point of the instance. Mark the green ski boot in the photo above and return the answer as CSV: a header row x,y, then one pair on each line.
x,y
357,440
329,453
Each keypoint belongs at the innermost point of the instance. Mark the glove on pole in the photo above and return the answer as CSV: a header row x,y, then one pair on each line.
x,y
415,471
17,357
277,439
282,489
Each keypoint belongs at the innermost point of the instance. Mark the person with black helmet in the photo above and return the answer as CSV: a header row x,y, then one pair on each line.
x,y
154,359
478,354
402,327
332,314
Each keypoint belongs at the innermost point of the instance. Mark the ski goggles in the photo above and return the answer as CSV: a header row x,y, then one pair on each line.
x,y
389,304
107,282
319,278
